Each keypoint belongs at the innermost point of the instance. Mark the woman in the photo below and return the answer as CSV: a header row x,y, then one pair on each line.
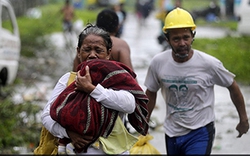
x,y
95,43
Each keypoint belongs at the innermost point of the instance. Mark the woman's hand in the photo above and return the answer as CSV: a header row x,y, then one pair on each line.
x,y
84,83
78,140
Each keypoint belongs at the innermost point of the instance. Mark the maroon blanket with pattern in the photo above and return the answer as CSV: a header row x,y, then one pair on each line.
x,y
79,112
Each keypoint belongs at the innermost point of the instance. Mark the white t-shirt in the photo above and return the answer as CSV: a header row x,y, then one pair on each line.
x,y
187,88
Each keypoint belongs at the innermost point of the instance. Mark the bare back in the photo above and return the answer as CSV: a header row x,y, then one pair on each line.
x,y
120,51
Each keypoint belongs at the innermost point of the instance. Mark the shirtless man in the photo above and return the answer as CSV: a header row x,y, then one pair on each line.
x,y
68,15
108,20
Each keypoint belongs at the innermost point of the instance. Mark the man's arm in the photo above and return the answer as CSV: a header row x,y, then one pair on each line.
x,y
238,100
152,100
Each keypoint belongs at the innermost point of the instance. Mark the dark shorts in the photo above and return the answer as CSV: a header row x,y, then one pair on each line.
x,y
197,141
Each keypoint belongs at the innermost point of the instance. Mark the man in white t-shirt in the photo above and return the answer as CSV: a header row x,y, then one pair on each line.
x,y
186,78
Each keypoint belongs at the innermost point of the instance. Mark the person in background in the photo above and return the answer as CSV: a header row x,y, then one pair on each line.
x,y
187,77
108,20
68,16
94,43
122,15
211,13
138,11
165,7
143,8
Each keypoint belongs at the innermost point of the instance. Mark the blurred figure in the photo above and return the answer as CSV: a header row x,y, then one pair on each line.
x,y
124,13
210,13
143,8
121,13
165,7
68,16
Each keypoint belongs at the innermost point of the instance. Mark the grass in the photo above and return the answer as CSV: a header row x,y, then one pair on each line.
x,y
233,53
51,21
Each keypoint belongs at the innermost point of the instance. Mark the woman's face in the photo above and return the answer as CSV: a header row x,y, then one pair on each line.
x,y
93,47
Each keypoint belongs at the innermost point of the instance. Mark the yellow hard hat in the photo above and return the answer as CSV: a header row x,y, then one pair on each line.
x,y
178,18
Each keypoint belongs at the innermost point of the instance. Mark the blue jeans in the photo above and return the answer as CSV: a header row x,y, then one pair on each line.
x,y
197,141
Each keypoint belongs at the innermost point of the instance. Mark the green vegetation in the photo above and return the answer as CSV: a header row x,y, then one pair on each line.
x,y
195,4
18,125
32,29
233,53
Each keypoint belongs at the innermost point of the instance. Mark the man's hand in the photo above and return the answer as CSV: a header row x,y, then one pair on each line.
x,y
242,128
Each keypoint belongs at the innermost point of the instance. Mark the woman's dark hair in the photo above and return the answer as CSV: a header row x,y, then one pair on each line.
x,y
94,30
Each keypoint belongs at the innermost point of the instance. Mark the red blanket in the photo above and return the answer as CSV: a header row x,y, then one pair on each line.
x,y
79,112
